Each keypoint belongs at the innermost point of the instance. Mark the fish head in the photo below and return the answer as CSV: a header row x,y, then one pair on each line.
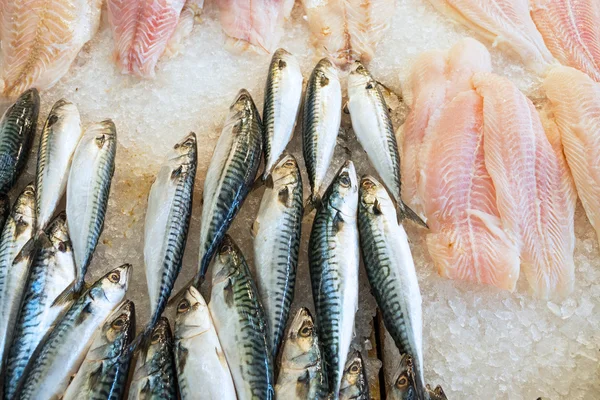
x,y
354,378
286,172
227,260
374,198
160,339
283,59
360,79
29,98
242,103
403,381
63,113
24,207
186,150
121,325
342,194
104,133
192,317
325,71
114,284
58,233
301,348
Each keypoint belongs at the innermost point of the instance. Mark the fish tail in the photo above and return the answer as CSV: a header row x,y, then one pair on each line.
x,y
195,281
72,292
31,246
405,212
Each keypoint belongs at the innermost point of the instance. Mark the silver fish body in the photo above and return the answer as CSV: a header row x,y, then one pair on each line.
x,y
320,123
59,357
103,373
230,175
241,324
277,231
301,375
51,272
391,272
333,253
354,383
201,364
283,93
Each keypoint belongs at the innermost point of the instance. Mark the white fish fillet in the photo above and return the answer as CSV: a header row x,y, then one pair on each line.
x,y
534,196
41,38
349,30
571,30
505,23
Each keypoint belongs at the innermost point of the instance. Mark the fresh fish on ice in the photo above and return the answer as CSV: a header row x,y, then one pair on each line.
x,y
301,375
154,377
103,373
277,231
354,383
230,175
201,364
283,92
348,30
322,114
403,386
467,240
41,38
505,23
59,357
571,30
51,272
333,255
534,191
241,323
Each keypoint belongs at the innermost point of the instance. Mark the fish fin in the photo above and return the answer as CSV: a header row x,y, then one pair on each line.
x,y
313,202
176,172
30,247
437,393
69,294
182,355
405,211
228,293
285,196
258,183
254,228
377,207
139,341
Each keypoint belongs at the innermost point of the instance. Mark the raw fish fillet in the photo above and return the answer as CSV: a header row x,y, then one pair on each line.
x,y
571,30
142,29
575,103
349,30
534,192
253,24
505,23
41,38
467,241
435,78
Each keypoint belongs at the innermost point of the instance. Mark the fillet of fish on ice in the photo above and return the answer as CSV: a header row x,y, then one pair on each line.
x,y
348,30
41,38
467,241
505,23
435,78
534,190
571,30
575,102
256,25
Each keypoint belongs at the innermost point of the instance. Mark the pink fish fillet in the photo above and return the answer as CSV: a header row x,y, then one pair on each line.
x,y
505,23
534,195
467,241
141,29
571,30
575,102
435,78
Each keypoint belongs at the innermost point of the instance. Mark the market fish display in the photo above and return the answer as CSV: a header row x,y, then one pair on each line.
x,y
534,189
276,232
301,374
372,125
52,271
333,255
41,38
155,377
505,23
167,222
354,383
348,30
61,354
201,364
87,193
283,92
241,323
230,175
320,123
103,373
17,129
571,30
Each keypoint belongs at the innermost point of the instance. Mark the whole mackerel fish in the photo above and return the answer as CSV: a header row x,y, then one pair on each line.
x,y
283,93
333,255
59,357
230,176
154,377
103,373
301,375
17,231
354,383
322,114
201,364
88,188
276,232
167,221
391,273
373,127
51,272
17,129
241,324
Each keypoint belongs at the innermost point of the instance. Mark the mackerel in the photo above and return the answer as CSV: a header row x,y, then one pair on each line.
x,y
354,383
402,386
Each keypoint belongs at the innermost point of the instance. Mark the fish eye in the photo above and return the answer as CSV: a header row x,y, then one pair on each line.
x,y
188,143
114,277
354,369
100,140
402,382
345,180
369,85
118,323
155,338
183,306
62,247
306,331
289,163
368,184
226,248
